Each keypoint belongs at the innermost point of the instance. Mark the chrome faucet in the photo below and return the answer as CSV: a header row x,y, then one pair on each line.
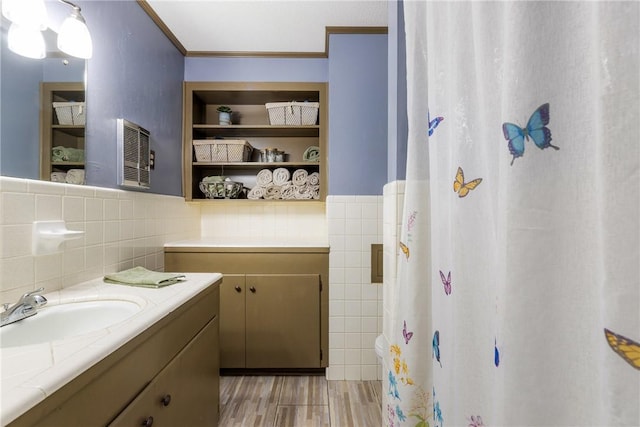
x,y
27,306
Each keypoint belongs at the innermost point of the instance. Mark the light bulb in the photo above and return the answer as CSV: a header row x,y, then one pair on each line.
x,y
74,38
27,42
26,13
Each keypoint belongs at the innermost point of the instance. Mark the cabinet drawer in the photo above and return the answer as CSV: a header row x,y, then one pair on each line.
x,y
184,392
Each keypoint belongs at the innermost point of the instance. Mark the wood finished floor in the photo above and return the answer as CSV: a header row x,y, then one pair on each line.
x,y
298,401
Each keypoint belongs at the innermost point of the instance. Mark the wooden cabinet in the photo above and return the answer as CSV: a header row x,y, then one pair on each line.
x,y
250,122
184,392
270,321
178,355
66,135
273,304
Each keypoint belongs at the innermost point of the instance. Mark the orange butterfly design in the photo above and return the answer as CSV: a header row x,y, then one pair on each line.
x,y
405,249
626,348
461,187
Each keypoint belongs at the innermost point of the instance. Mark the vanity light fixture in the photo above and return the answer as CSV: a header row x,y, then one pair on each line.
x,y
74,38
26,41
28,20
26,13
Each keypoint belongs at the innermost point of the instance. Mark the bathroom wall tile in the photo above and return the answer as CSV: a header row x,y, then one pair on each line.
x,y
72,208
352,356
48,207
18,208
16,241
17,272
352,372
97,211
48,267
93,209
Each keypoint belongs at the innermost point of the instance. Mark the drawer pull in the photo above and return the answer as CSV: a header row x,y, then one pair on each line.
x,y
166,399
252,289
238,289
147,422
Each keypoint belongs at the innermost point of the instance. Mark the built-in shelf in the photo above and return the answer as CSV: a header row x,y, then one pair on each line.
x,y
251,123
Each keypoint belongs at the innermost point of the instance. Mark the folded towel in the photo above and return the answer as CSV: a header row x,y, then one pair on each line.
x,y
264,177
280,176
140,276
299,177
313,178
256,193
273,192
58,177
66,154
75,176
311,154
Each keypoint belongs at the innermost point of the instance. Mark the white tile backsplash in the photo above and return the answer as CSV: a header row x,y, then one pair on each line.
x,y
116,229
123,229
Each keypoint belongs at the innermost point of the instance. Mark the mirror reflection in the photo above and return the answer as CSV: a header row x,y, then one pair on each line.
x,y
42,110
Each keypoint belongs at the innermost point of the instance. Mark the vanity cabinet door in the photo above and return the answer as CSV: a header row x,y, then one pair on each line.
x,y
185,392
283,321
232,321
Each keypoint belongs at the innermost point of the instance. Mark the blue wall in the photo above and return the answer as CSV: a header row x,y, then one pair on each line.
x,y
135,73
357,114
19,130
356,71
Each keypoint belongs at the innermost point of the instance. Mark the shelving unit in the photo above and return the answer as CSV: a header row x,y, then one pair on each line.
x,y
250,122
54,134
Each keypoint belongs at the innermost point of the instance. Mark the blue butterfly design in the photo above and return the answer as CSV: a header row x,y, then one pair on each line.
x,y
436,346
433,124
401,415
393,386
496,353
536,130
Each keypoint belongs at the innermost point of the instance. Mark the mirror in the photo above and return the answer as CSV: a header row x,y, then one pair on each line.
x,y
20,104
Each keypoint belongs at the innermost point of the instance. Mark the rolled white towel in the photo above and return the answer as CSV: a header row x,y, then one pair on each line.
x,y
256,193
288,191
303,192
299,177
58,177
315,191
264,178
313,178
273,192
280,176
75,176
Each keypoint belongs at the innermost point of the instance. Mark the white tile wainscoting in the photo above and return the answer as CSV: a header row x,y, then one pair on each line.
x,y
126,228
122,229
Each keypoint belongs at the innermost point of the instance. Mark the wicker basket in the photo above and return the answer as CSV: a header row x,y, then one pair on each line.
x,y
293,113
70,113
222,150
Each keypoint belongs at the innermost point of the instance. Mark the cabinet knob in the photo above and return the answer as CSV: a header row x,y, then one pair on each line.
x,y
166,399
252,289
238,289
147,422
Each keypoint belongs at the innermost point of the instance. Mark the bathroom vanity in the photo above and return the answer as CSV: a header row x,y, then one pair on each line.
x,y
159,367
273,299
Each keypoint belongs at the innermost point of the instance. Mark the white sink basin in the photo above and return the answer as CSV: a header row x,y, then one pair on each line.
x,y
61,321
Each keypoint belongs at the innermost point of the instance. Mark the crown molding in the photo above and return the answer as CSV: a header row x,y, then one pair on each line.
x,y
227,54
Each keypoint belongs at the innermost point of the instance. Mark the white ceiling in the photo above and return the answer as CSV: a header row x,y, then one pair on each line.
x,y
263,26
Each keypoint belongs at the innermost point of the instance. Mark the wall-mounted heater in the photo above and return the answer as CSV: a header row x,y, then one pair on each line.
x,y
134,151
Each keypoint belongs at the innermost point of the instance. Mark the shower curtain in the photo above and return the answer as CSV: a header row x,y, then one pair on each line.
x,y
518,296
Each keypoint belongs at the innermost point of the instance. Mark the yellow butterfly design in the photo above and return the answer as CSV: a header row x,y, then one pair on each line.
x,y
407,381
626,348
395,348
461,187
405,249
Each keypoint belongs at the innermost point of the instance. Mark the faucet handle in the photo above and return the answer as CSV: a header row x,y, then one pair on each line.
x,y
28,294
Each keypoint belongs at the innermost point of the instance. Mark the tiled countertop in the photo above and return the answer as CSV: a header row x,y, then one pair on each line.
x,y
31,373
